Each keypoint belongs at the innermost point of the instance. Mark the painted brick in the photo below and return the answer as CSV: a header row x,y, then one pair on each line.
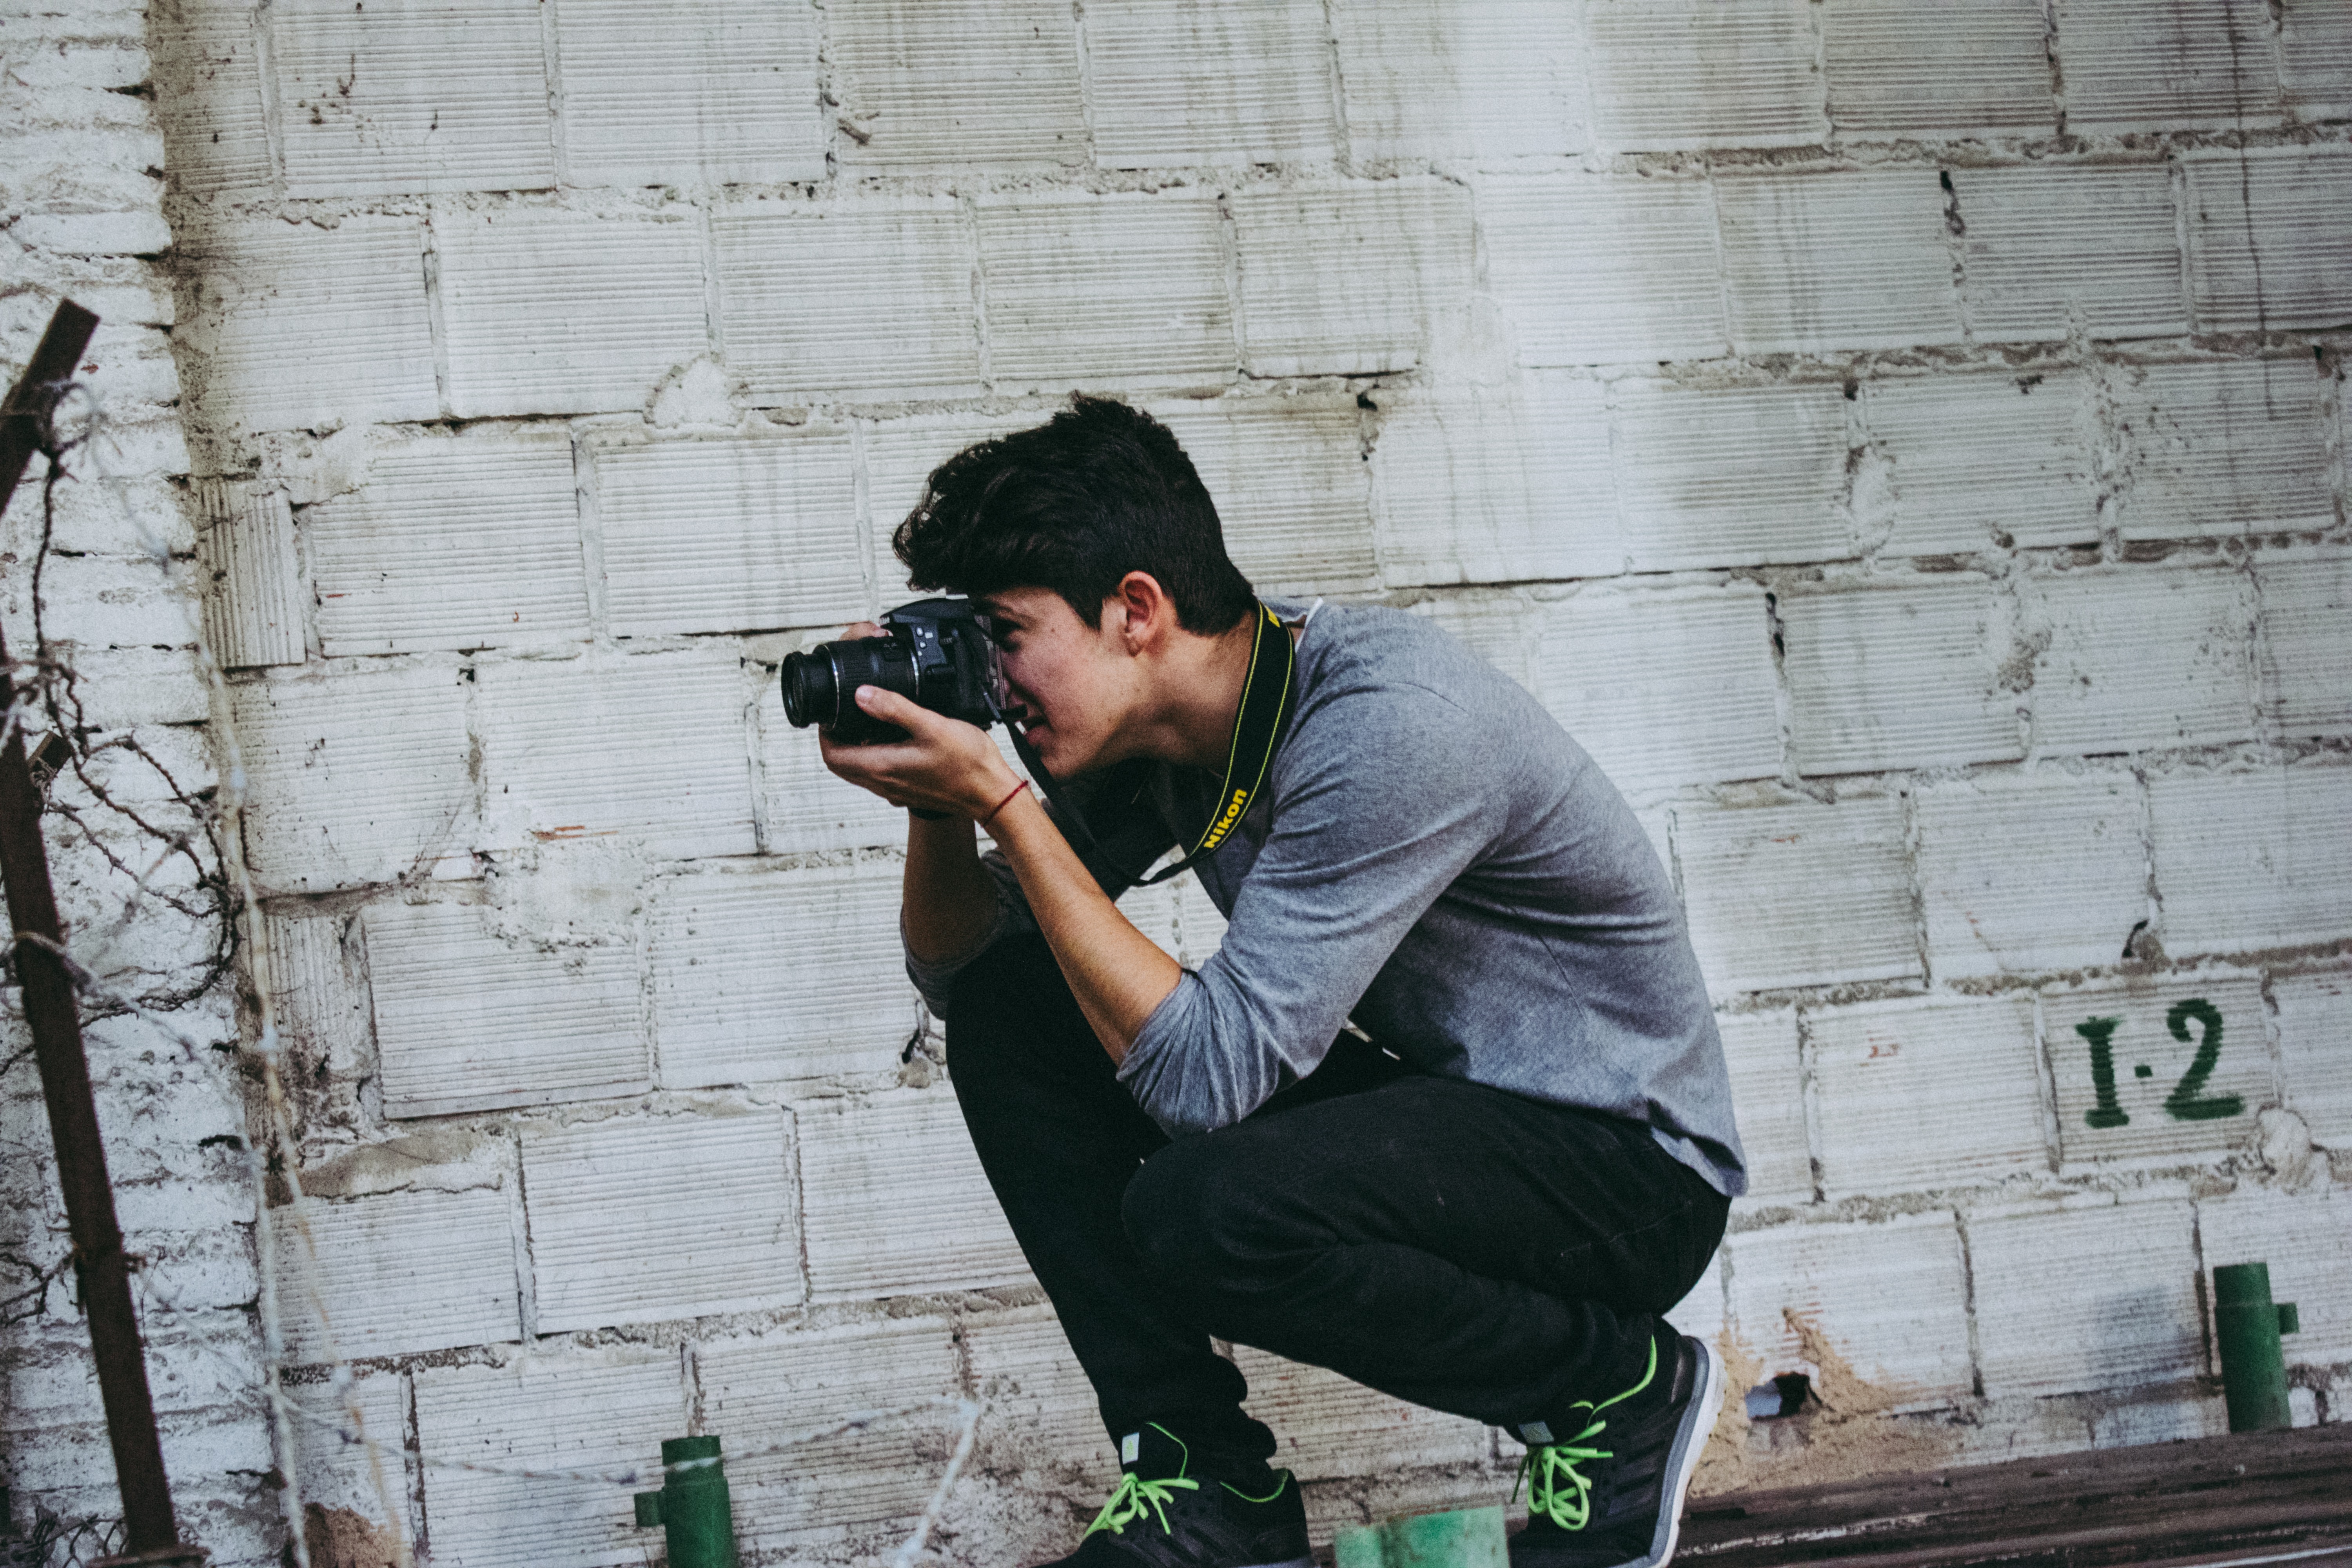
x,y
1686,73
760,1393
1208,81
2315,1033
136,233
1346,279
2209,68
1607,665
333,1463
2143,660
96,602
122,688
273,292
317,998
2225,448
1796,894
2245,861
700,1208
803,806
719,536
1766,1091
354,780
214,124
1120,288
1732,478
2047,248
2306,659
2316,58
2123,1310
452,544
1896,70
1475,485
2269,241
1916,1094
1474,80
1978,457
1896,678
1325,1428
551,730
722,90
861,1188
783,975
1555,249
2306,1240
1494,625
1852,259
529,1416
416,1272
1038,1394
410,96
2021,875
559,313
1890,1299
468,1017
931,82
894,312
2143,1040
1291,488
253,581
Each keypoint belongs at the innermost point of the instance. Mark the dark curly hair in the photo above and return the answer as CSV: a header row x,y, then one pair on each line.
x,y
1099,490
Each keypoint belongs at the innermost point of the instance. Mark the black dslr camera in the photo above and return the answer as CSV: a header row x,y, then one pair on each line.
x,y
934,652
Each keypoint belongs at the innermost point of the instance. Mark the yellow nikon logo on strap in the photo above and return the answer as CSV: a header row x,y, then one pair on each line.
x,y
1224,825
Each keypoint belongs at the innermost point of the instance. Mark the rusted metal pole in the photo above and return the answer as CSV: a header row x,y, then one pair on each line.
x,y
150,1533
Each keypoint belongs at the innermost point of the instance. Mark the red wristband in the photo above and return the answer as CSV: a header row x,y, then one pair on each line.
x,y
1000,805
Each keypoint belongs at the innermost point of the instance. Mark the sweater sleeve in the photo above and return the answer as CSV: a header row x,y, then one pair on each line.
x,y
1356,854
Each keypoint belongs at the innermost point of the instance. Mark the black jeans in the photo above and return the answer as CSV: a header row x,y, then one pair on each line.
x,y
1457,1245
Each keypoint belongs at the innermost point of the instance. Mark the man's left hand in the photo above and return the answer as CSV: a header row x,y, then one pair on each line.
x,y
943,764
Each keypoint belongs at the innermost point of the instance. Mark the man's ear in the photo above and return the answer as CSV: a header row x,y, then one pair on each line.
x,y
1149,613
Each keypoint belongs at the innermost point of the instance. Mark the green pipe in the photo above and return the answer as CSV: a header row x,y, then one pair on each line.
x,y
2254,1363
692,1507
1465,1538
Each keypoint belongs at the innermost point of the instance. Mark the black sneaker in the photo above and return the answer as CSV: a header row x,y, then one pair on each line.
x,y
1161,1515
1610,1496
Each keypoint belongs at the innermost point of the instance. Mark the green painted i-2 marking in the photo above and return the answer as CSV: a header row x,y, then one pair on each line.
x,y
2101,1033
2188,1102
2184,1103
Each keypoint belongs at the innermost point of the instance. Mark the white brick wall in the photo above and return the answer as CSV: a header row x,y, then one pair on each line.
x,y
2157,1038
1933,1094
1907,377
1890,1299
637,1219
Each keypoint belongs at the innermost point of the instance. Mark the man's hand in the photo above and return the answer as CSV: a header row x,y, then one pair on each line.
x,y
944,765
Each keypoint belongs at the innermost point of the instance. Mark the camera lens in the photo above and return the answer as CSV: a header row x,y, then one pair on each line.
x,y
812,691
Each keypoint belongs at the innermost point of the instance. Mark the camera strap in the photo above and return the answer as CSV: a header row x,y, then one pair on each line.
x,y
1257,730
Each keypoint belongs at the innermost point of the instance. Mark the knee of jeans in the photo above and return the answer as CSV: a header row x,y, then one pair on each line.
x,y
1183,1215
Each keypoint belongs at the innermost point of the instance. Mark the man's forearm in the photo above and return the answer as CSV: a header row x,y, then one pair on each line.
x,y
950,901
1119,975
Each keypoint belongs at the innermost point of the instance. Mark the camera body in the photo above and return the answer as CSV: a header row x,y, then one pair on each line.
x,y
933,652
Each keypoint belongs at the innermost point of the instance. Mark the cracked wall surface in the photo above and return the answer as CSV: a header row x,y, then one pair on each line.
x,y
1904,445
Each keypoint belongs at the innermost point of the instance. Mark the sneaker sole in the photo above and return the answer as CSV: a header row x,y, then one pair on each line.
x,y
1682,1459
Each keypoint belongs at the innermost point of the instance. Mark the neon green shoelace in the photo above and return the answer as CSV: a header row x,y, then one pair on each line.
x,y
1557,1489
1133,1497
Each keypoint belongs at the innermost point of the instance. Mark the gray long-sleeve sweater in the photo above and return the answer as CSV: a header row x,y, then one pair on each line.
x,y
1437,861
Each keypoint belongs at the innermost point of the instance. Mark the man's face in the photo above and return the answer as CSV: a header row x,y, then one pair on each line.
x,y
1076,680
